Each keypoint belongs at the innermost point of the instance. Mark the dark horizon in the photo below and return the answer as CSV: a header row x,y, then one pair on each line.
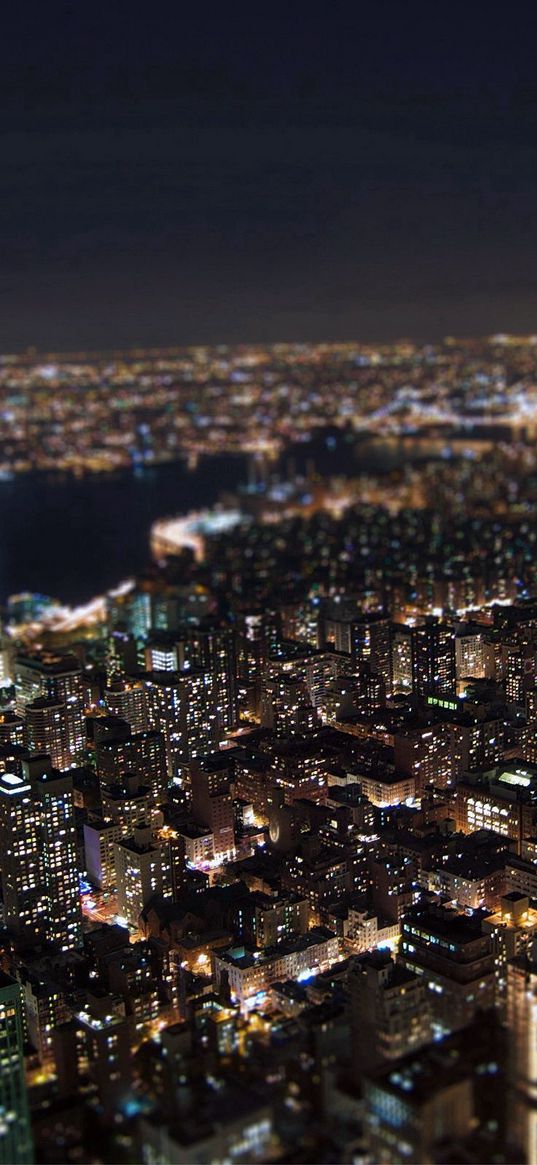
x,y
169,183
32,353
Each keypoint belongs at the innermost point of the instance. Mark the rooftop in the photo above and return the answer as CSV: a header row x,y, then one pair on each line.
x,y
241,957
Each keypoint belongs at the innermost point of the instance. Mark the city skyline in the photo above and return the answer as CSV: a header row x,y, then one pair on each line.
x,y
268,587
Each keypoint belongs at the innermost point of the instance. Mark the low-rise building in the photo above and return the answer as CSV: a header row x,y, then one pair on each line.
x,y
251,973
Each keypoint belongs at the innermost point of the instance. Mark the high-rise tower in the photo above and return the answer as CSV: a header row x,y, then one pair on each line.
x,y
38,859
15,1135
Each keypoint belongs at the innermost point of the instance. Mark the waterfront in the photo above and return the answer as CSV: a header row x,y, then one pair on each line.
x,y
74,538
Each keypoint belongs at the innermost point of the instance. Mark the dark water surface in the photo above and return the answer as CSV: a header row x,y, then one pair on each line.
x,y
74,538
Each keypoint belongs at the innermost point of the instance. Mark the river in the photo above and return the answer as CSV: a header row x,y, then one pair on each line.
x,y
73,538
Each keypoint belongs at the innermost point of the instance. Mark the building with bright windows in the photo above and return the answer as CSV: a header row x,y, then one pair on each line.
x,y
138,873
385,788
63,918
422,751
212,650
141,753
456,960
251,972
21,859
11,728
401,658
513,929
128,803
47,730
503,799
38,859
182,705
126,698
57,677
45,1008
474,652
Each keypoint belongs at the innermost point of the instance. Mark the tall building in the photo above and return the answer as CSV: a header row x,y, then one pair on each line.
x,y
286,706
390,1010
130,612
300,768
99,841
107,1051
45,1008
15,1131
47,730
513,929
182,706
138,873
529,739
442,1103
522,1028
371,642
38,859
401,658
433,659
122,654
58,677
63,917
21,859
258,637
213,650
455,957
477,740
126,698
474,652
128,803
424,752
212,801
393,883
11,728
322,669
140,753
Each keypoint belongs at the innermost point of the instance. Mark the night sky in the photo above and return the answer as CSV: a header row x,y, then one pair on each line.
x,y
171,180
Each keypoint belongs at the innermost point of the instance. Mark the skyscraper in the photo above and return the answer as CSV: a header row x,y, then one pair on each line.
x,y
47,730
54,797
21,859
182,706
15,1135
213,650
38,859
433,659
58,677
141,753
522,1027
371,641
390,1010
138,871
126,698
212,803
